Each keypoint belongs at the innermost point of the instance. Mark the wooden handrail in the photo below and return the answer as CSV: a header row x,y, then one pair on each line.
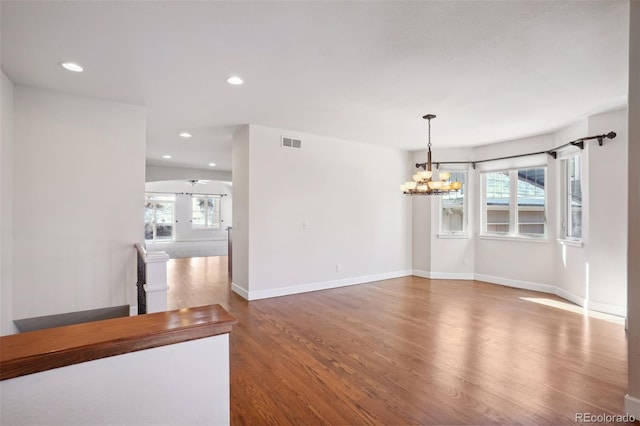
x,y
43,350
141,250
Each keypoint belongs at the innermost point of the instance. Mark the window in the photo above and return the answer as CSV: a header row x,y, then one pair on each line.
x,y
497,202
158,217
205,212
573,200
514,202
453,207
531,205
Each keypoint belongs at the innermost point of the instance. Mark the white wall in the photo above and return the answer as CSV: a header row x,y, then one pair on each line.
x,y
6,209
632,403
608,211
326,215
240,236
79,167
421,223
158,173
185,383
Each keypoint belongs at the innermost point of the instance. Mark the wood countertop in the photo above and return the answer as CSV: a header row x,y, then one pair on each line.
x,y
27,353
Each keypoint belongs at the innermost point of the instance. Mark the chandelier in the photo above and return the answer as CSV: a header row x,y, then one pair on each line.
x,y
424,182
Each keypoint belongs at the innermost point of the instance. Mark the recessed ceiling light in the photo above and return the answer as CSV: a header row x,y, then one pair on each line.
x,y
235,80
166,156
185,135
212,164
71,66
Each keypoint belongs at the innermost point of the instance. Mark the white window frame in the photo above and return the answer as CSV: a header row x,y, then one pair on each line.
x,y
217,204
155,199
513,232
565,194
465,233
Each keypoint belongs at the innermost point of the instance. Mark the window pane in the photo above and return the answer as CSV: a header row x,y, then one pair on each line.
x,y
164,213
206,212
531,208
164,220
149,210
199,211
148,231
453,217
574,197
158,216
497,198
164,232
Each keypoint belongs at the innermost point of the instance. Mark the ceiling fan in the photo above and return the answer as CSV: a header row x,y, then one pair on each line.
x,y
195,182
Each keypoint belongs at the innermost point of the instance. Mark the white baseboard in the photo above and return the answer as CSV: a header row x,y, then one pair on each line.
x,y
526,285
443,275
240,291
632,406
607,308
452,276
578,300
420,273
324,285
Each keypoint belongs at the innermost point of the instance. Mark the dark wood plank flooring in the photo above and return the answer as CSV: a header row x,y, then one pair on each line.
x,y
410,351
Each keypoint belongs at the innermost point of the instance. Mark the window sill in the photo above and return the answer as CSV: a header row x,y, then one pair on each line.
x,y
523,239
455,236
572,243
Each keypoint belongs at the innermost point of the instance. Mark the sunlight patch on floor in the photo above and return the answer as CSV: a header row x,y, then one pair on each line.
x,y
570,307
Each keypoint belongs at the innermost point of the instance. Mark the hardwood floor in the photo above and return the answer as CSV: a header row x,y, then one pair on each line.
x,y
410,351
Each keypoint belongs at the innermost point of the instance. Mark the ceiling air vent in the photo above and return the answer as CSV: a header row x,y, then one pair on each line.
x,y
291,143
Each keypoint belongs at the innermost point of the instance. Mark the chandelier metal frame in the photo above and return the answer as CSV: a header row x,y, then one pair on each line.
x,y
423,181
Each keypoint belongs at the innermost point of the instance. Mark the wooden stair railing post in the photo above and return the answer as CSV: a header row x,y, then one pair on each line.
x,y
156,281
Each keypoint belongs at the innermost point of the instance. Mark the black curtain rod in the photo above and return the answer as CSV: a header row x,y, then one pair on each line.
x,y
552,152
184,193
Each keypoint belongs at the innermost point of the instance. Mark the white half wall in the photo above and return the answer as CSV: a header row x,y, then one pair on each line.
x,y
181,384
329,212
6,206
78,190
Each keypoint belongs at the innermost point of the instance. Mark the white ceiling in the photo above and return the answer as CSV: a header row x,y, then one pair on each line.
x,y
360,71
